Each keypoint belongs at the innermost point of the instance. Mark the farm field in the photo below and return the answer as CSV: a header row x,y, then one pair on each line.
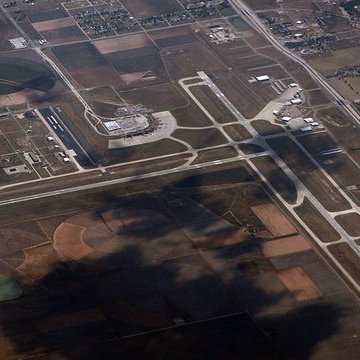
x,y
86,65
123,245
144,213
24,77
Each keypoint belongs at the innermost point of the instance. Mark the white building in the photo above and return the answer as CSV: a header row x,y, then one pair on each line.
x,y
309,120
18,43
262,78
306,129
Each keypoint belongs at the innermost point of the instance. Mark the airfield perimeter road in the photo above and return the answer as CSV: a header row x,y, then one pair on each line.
x,y
250,16
302,190
253,20
256,23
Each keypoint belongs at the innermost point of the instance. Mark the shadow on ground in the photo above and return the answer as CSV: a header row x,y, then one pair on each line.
x,y
151,292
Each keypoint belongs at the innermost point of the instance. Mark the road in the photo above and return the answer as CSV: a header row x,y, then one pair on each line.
x,y
58,127
32,45
253,20
117,181
257,24
302,190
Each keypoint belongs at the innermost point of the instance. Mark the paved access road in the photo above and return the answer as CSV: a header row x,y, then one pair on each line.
x,y
253,20
58,126
302,190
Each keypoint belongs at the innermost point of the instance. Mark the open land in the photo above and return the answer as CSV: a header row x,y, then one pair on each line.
x,y
108,242
157,179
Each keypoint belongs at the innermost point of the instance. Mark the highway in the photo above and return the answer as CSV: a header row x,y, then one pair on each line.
x,y
250,16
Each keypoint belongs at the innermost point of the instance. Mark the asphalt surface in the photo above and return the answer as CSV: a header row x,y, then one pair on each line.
x,y
253,20
302,190
92,186
58,126
251,17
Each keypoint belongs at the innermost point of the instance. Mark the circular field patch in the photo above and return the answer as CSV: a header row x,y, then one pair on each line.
x,y
9,289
